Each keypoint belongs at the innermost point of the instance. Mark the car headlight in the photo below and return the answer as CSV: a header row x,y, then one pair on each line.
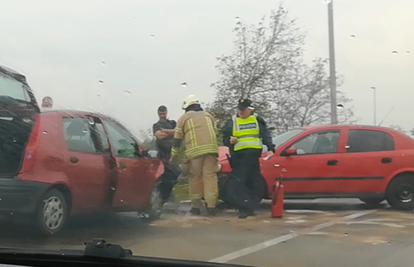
x,y
219,167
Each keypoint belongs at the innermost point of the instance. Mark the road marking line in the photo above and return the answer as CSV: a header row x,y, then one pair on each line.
x,y
260,246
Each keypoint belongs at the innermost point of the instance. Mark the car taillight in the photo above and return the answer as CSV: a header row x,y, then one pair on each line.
x,y
30,151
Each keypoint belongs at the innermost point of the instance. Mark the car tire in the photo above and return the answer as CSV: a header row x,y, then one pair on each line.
x,y
400,192
51,213
154,210
372,201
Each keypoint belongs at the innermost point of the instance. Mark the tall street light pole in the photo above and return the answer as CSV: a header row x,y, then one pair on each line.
x,y
332,70
375,105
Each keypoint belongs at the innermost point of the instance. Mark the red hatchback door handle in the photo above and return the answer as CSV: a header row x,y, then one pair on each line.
x,y
122,166
386,160
332,162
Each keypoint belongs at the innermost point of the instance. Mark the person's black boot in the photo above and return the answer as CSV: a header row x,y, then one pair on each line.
x,y
195,211
243,214
211,211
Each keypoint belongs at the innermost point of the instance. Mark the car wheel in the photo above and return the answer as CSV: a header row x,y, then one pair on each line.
x,y
153,212
51,212
372,200
400,192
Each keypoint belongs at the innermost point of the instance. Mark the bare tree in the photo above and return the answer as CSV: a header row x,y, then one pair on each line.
x,y
310,102
267,66
398,128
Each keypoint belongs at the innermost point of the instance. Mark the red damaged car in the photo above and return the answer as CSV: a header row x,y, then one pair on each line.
x,y
340,161
57,163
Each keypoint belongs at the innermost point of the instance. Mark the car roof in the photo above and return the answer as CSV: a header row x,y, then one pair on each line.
x,y
345,126
14,74
75,113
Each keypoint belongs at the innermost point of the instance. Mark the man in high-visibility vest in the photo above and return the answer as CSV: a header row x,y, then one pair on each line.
x,y
245,134
197,129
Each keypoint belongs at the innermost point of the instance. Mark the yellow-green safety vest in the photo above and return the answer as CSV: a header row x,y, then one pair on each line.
x,y
247,132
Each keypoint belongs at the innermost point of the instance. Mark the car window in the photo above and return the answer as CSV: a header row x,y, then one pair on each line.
x,y
369,141
103,137
78,136
284,137
12,88
122,142
318,143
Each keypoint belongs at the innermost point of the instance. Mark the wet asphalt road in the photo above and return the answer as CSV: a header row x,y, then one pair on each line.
x,y
312,233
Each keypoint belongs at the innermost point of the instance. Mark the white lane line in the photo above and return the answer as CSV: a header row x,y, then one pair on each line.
x,y
260,246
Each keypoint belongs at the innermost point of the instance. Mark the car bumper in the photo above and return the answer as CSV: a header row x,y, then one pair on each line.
x,y
20,197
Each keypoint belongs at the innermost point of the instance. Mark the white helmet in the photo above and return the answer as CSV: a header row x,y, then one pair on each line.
x,y
189,100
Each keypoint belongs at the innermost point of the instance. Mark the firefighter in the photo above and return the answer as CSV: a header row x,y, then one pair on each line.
x,y
245,134
197,129
163,131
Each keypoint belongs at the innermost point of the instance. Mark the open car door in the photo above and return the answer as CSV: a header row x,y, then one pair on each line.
x,y
135,175
18,112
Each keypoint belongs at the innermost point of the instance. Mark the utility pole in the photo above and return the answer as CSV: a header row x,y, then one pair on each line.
x,y
375,105
332,70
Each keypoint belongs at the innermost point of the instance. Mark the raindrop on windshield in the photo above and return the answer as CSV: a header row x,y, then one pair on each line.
x,y
103,62
352,36
84,130
127,93
44,132
408,52
184,84
346,234
152,35
101,82
395,52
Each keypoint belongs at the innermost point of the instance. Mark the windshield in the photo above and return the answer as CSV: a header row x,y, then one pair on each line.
x,y
10,87
146,123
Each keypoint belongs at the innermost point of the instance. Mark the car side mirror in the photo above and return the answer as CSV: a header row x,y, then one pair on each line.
x,y
150,153
145,153
291,151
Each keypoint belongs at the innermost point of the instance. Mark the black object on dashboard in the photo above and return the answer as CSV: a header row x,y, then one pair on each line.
x,y
99,248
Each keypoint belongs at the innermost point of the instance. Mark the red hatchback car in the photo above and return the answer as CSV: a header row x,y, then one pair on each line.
x,y
57,163
340,161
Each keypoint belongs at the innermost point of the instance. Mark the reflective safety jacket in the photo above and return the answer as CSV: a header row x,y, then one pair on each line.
x,y
198,131
263,133
247,132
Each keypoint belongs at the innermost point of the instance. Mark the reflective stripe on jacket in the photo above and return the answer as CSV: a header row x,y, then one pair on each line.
x,y
198,130
247,132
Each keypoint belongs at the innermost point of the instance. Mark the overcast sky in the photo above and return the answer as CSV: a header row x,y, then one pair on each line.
x,y
61,47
